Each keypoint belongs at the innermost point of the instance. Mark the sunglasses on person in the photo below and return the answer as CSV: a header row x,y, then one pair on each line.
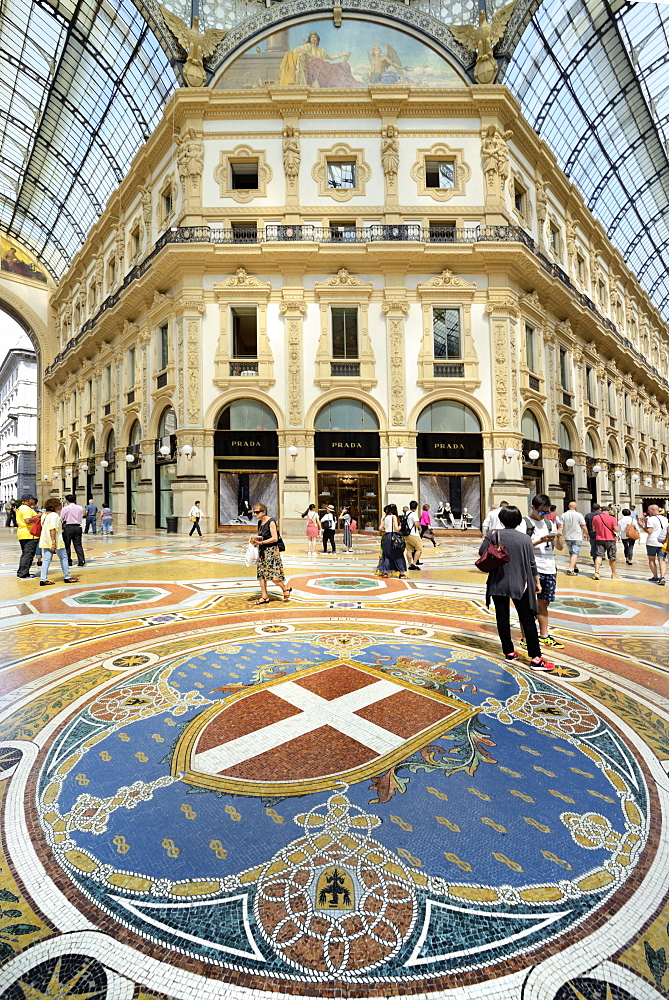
x,y
257,512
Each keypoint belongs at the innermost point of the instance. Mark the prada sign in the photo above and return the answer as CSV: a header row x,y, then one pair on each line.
x,y
346,444
450,447
246,444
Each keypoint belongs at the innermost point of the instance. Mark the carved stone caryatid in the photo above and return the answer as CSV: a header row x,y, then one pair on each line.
x,y
292,158
396,308
190,161
294,308
495,158
390,160
570,239
542,208
147,206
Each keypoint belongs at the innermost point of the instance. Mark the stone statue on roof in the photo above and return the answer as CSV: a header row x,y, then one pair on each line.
x,y
482,40
199,46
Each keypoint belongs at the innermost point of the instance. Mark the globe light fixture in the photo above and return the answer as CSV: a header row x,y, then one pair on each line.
x,y
164,450
508,454
571,462
660,483
647,481
618,473
187,450
130,458
56,475
46,479
104,463
596,469
68,472
293,451
533,455
399,451
635,478
84,467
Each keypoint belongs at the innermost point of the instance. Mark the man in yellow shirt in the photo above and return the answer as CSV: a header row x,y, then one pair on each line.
x,y
25,515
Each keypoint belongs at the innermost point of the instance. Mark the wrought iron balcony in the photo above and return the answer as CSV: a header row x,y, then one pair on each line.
x,y
442,370
345,369
242,368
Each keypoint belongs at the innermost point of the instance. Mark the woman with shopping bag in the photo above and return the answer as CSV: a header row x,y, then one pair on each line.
x,y
270,545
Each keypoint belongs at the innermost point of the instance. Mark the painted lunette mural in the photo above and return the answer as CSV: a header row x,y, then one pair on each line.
x,y
358,54
17,263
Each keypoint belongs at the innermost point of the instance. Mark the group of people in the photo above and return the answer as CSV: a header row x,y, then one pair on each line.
x,y
55,529
324,524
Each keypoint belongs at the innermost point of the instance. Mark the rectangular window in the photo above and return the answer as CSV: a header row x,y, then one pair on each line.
x,y
244,331
167,203
74,406
345,332
580,268
342,232
590,385
112,271
135,241
107,383
439,173
529,348
163,347
131,368
564,369
601,292
341,174
244,175
610,395
628,409
555,238
442,232
89,394
519,196
446,333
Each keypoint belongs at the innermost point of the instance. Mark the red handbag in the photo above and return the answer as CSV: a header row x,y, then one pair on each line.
x,y
494,556
35,528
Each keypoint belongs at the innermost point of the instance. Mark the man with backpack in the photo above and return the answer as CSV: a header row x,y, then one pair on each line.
x,y
410,529
542,532
606,534
655,524
329,525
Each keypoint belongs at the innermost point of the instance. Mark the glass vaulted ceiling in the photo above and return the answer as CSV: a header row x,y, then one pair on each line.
x,y
593,79
82,84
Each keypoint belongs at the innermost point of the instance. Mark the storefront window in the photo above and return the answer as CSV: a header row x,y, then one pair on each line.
x,y
450,458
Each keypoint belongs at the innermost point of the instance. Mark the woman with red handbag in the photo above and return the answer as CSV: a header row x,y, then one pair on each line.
x,y
508,558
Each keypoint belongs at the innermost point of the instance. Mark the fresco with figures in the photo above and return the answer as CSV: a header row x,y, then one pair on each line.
x,y
16,263
359,54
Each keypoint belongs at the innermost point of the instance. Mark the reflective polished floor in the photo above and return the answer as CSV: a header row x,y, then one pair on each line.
x,y
347,794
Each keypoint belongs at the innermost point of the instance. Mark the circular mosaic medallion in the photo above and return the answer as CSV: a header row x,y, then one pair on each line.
x,y
117,597
452,810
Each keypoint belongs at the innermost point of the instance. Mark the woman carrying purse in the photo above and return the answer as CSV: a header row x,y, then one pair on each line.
x,y
392,544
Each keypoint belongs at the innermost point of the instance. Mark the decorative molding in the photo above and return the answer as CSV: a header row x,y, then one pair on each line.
x,y
243,289
344,289
241,154
341,151
193,327
447,291
294,308
462,172
396,308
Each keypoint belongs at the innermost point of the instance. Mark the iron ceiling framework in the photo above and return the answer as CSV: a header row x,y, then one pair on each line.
x,y
592,79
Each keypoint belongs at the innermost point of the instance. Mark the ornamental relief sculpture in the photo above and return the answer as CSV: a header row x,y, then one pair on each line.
x,y
294,310
495,159
190,162
243,289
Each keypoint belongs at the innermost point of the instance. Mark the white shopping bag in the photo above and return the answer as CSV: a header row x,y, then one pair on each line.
x,y
251,557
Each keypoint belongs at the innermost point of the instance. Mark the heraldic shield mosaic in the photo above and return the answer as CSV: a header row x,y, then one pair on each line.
x,y
371,808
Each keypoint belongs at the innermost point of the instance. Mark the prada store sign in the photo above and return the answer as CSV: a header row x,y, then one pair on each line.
x,y
450,447
246,444
346,444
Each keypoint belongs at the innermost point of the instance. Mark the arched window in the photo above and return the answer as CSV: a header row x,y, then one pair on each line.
x,y
448,416
564,438
611,452
111,441
247,415
91,447
530,427
346,415
590,447
629,461
168,423
135,435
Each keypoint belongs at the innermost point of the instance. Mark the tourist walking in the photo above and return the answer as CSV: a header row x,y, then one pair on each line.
x,y
10,512
392,544
313,527
426,524
346,519
410,528
270,545
655,524
195,514
492,520
106,520
52,543
91,511
542,534
25,515
516,580
72,516
594,510
329,526
575,533
606,534
629,534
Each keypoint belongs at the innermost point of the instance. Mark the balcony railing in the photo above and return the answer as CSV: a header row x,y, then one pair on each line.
x,y
442,370
345,369
402,232
242,368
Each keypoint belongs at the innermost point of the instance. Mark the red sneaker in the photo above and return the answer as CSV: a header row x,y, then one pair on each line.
x,y
512,656
539,663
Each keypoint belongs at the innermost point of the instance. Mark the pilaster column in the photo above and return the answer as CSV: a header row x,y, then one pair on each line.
x,y
293,308
395,307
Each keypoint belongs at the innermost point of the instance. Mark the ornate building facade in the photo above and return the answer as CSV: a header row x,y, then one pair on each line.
x,y
341,273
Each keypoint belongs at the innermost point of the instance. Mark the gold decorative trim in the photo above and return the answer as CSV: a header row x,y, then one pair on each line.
x,y
243,154
461,171
341,151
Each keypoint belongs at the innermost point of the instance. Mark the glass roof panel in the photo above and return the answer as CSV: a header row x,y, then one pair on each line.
x,y
593,80
82,86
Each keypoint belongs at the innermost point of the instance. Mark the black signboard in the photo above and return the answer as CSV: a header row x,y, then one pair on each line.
x,y
450,447
246,444
347,444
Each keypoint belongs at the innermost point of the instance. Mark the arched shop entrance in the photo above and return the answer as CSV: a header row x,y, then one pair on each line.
x,y
134,472
450,458
347,449
533,468
108,463
590,461
246,449
90,469
165,466
564,456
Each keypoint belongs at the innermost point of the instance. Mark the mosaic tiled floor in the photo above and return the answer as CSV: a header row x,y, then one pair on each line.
x,y
349,794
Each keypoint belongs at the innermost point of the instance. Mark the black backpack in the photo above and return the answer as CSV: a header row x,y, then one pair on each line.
x,y
529,526
404,525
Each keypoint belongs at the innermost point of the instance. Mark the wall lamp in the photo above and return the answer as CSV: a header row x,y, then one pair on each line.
x,y
400,452
84,467
104,463
571,462
618,473
164,450
635,478
596,469
132,458
533,455
509,454
187,450
647,481
293,451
